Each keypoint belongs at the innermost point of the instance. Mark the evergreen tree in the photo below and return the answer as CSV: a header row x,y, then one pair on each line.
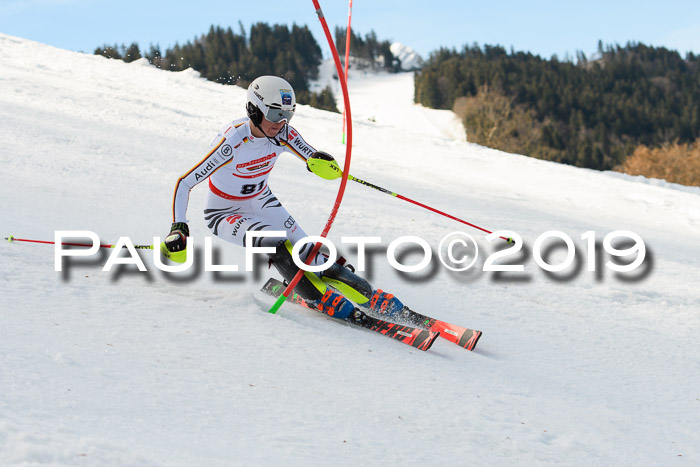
x,y
227,57
132,53
109,51
154,56
368,52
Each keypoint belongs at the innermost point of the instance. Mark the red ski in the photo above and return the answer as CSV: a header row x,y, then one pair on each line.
x,y
463,337
421,339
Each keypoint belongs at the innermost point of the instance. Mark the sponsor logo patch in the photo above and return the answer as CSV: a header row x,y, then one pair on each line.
x,y
256,164
286,96
236,227
232,219
202,173
257,167
301,147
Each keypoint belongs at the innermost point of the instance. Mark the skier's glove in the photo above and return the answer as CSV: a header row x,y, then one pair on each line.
x,y
323,165
177,238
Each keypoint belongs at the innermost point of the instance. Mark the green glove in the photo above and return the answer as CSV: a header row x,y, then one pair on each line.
x,y
323,165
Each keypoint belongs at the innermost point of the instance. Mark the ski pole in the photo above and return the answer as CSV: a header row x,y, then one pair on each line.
x,y
11,239
384,190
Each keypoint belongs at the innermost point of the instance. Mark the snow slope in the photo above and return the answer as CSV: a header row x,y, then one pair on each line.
x,y
133,368
387,99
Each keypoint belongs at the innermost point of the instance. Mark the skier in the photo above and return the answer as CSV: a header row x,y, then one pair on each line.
x,y
239,200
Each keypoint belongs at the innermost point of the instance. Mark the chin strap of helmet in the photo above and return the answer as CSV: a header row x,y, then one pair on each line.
x,y
273,139
256,117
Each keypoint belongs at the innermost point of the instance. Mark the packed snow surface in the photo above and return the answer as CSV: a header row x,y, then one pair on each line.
x,y
387,99
151,368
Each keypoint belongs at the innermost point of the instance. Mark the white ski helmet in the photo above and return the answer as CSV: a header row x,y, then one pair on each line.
x,y
271,97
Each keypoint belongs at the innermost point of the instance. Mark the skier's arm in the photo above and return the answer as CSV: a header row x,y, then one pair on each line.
x,y
296,144
318,162
220,153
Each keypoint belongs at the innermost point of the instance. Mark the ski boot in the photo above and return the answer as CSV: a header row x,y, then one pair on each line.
x,y
335,305
360,318
384,303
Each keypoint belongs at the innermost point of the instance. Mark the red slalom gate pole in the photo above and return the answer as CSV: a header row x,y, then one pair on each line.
x,y
347,57
348,151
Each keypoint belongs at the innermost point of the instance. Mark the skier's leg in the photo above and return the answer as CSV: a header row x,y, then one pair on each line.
x,y
234,220
360,291
310,286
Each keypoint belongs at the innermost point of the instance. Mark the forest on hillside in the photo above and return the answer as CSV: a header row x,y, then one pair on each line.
x,y
367,52
634,108
229,57
591,113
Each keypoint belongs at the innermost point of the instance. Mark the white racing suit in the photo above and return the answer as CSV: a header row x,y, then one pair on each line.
x,y
237,167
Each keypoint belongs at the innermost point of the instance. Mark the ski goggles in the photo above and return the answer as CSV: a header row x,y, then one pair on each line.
x,y
278,115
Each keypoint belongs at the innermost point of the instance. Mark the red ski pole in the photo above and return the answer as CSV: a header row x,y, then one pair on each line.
x,y
11,239
437,211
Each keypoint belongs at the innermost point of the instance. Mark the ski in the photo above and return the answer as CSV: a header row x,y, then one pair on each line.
x,y
421,339
463,337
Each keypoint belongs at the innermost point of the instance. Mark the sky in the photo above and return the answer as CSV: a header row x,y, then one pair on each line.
x,y
544,28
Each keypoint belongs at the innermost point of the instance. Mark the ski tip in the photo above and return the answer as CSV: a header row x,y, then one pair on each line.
x,y
470,344
427,343
10,239
437,334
